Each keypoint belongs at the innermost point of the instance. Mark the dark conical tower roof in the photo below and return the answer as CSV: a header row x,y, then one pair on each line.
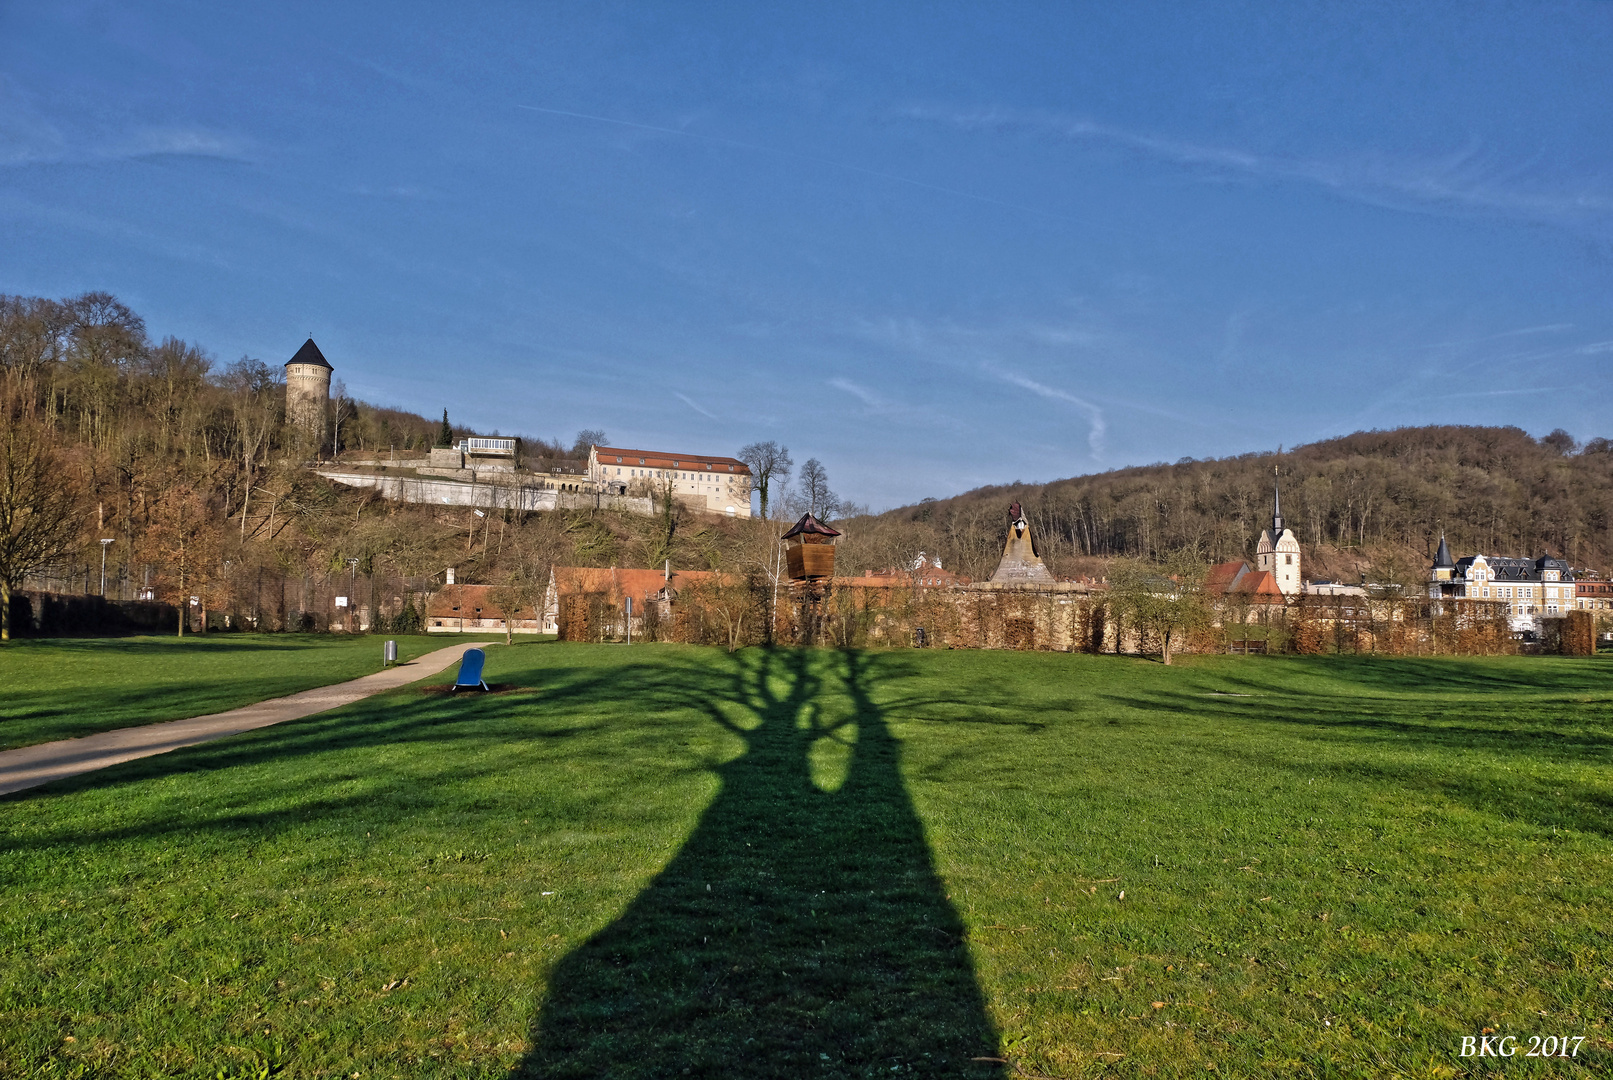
x,y
310,354
1276,510
1442,557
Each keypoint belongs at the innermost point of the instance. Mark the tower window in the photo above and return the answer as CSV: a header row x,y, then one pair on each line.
x,y
1290,560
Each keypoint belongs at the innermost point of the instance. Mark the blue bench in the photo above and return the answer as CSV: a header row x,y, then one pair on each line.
x,y
470,671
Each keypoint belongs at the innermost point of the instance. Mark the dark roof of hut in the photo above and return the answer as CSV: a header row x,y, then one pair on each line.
x,y
809,524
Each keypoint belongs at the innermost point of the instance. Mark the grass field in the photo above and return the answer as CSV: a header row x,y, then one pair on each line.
x,y
62,688
665,861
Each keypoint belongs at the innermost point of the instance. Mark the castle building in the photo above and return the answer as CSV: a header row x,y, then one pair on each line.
x,y
718,485
1278,552
308,391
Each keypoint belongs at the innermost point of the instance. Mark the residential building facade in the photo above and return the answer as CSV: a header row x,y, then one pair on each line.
x,y
1529,589
1591,594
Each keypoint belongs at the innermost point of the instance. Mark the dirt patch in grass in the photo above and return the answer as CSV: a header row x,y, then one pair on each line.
x,y
492,688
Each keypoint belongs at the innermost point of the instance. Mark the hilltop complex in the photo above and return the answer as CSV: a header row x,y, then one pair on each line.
x,y
490,471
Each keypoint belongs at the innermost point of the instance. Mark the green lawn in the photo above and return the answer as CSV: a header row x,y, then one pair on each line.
x,y
61,688
665,861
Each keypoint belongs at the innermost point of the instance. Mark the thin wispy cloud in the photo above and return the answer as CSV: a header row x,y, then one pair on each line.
x,y
30,140
1464,178
1508,393
760,148
395,191
690,402
27,136
895,412
174,142
1098,426
861,393
1549,328
1595,348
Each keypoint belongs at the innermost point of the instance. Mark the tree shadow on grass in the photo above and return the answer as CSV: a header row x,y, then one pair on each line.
x,y
1424,744
798,932
1426,676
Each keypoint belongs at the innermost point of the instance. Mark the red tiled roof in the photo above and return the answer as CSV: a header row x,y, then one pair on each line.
x,y
469,602
1224,575
618,582
661,459
1259,584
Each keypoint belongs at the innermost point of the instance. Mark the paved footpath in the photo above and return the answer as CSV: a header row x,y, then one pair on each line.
x,y
30,766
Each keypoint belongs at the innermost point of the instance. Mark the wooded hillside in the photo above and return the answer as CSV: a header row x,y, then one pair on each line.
x,y
1352,500
188,469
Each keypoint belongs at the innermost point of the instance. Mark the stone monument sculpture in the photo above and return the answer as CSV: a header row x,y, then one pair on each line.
x,y
1020,562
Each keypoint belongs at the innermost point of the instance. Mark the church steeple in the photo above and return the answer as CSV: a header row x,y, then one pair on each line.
x,y
1278,551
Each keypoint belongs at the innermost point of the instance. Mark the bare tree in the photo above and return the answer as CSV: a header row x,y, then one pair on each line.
x,y
529,565
518,589
183,541
255,401
1560,441
587,439
814,492
39,512
768,461
342,409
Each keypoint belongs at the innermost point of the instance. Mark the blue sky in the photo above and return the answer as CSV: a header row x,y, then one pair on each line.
x,y
934,246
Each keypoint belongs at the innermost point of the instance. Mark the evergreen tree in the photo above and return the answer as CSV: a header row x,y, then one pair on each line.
x,y
445,438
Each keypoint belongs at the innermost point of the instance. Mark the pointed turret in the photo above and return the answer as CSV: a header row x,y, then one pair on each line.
x,y
1276,509
1444,569
1442,557
309,354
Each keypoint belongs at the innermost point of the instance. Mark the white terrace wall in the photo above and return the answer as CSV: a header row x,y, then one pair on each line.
x,y
512,496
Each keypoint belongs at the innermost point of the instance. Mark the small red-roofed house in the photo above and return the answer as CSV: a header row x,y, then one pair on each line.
x,y
464,609
572,589
1236,579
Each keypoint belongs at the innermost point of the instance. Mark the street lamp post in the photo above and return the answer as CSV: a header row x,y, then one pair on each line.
x,y
104,542
352,590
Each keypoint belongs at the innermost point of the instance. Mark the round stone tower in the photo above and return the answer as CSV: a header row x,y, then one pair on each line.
x,y
308,391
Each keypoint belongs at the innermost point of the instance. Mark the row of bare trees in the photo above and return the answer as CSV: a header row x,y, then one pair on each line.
x,y
1489,489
